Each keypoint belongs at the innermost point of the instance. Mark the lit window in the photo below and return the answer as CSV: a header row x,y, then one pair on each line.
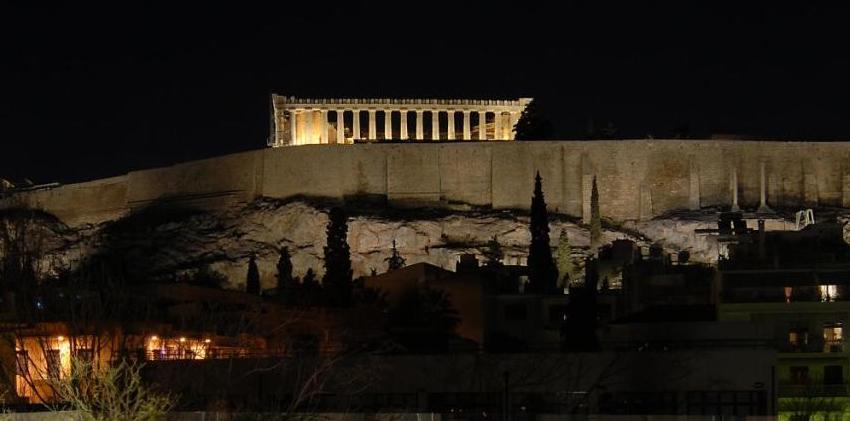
x,y
833,337
798,338
828,293
54,363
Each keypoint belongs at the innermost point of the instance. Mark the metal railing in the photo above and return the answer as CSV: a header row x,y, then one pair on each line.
x,y
812,390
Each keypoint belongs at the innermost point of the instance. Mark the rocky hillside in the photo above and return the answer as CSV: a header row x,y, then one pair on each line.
x,y
162,243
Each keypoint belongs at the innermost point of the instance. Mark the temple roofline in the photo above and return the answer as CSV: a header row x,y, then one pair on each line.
x,y
337,102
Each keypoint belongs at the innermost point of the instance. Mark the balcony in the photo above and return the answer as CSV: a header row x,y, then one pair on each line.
x,y
834,346
812,390
818,346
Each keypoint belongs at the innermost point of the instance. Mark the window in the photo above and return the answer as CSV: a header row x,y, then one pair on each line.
x,y
799,375
85,355
798,338
833,374
828,293
83,359
54,363
22,363
833,337
516,312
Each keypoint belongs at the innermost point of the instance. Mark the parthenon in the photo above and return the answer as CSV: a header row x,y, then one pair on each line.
x,y
305,121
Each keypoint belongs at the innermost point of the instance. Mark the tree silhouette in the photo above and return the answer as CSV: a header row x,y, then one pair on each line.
x,y
252,283
532,125
309,281
285,281
541,268
493,254
565,259
501,282
338,273
395,261
595,219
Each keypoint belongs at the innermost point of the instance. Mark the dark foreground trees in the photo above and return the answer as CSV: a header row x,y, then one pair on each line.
x,y
252,281
337,281
542,273
532,125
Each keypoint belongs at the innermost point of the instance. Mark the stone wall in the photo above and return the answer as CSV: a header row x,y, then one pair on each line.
x,y
637,179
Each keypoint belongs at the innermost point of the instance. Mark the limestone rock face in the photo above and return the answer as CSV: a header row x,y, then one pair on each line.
x,y
161,245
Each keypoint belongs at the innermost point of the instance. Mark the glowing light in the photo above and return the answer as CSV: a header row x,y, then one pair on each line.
x,y
182,339
828,292
60,338
154,338
207,341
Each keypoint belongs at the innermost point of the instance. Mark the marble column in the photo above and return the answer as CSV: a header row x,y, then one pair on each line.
x,y
388,124
403,121
340,126
467,129
308,128
373,129
293,122
325,130
420,131
451,123
435,125
498,123
482,125
356,124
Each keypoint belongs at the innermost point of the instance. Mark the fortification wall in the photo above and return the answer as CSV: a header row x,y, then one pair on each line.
x,y
637,179
89,202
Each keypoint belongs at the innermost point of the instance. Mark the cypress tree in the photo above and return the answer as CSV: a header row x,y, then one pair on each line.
x,y
337,280
500,283
565,259
285,281
252,282
595,219
542,273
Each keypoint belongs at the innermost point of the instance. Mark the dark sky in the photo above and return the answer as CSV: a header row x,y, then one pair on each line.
x,y
87,93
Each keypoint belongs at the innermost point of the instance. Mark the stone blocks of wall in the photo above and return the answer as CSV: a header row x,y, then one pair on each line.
x,y
637,179
208,183
80,203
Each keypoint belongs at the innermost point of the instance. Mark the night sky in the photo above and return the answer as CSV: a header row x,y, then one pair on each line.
x,y
94,92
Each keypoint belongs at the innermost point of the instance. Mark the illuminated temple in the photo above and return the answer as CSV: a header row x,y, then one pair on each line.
x,y
306,121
